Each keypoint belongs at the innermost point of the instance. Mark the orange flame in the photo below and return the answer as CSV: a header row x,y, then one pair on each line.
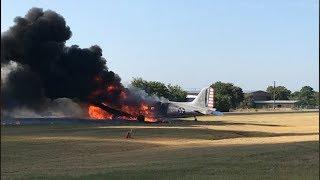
x,y
134,110
143,109
98,113
150,119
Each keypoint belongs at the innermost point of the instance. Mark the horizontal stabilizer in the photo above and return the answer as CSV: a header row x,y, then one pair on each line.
x,y
217,113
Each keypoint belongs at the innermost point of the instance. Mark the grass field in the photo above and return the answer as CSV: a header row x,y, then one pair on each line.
x,y
273,146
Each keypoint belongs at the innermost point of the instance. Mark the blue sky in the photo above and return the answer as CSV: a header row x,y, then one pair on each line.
x,y
193,43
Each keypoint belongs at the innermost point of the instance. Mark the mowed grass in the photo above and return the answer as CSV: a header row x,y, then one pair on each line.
x,y
273,146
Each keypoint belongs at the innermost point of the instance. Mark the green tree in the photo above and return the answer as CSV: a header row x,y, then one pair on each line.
x,y
308,97
295,95
171,92
237,96
281,92
317,98
227,96
158,89
139,83
248,102
223,102
176,93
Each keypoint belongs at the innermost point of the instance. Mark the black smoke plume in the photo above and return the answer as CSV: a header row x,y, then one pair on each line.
x,y
48,69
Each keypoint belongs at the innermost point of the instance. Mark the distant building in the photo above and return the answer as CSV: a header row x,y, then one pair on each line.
x,y
277,104
263,99
260,98
258,95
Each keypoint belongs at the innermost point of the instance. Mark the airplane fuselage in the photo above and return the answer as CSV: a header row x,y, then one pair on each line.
x,y
186,109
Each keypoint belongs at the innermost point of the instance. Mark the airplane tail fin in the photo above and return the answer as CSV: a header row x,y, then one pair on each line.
x,y
205,98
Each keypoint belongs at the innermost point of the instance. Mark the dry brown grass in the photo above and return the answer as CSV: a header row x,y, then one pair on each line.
x,y
236,147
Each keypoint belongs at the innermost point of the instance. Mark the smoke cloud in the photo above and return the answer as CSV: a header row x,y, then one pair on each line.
x,y
61,107
38,69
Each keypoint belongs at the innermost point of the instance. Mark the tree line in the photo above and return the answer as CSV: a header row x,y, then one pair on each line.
x,y
170,92
227,95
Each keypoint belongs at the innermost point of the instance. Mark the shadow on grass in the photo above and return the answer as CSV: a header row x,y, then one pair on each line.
x,y
297,160
178,132
207,134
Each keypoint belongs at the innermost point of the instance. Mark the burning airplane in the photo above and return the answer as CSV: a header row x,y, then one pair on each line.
x,y
202,105
37,68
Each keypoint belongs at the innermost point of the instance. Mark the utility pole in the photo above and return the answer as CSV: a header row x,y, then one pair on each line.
x,y
274,94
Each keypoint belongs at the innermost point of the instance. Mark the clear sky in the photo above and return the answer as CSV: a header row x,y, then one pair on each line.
x,y
193,43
